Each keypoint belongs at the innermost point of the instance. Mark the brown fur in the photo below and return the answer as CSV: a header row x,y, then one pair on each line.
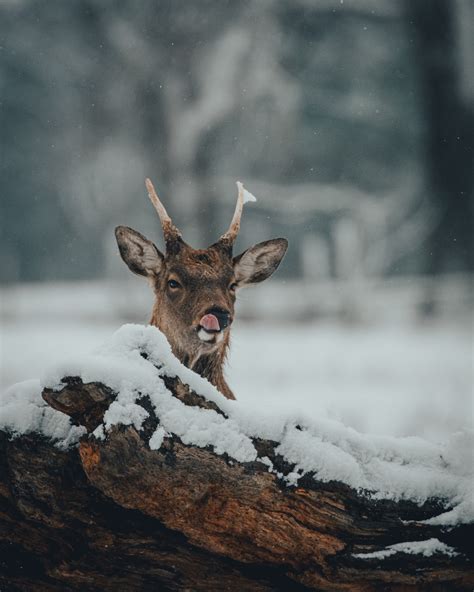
x,y
207,279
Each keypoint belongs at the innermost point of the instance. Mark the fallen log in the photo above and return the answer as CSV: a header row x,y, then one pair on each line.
x,y
116,513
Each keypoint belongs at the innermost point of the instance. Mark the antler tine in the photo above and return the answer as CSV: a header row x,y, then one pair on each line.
x,y
231,234
171,233
155,200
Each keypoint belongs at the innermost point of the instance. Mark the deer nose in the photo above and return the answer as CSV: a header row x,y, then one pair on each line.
x,y
221,314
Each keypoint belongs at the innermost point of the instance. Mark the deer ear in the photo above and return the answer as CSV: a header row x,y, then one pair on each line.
x,y
259,262
140,254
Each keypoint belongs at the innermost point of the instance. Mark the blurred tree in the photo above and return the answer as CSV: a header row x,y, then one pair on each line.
x,y
297,94
449,121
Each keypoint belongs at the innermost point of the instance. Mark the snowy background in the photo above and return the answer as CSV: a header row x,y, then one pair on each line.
x,y
350,121
393,376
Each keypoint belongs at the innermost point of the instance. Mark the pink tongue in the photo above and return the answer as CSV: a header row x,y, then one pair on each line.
x,y
210,323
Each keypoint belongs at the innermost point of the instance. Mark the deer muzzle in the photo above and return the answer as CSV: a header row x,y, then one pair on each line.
x,y
212,324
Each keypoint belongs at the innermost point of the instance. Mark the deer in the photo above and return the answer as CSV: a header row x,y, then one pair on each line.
x,y
195,289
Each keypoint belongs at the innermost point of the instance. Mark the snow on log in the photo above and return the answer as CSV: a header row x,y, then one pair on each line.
x,y
125,470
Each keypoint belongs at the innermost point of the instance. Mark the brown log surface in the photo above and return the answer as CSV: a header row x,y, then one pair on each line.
x,y
116,515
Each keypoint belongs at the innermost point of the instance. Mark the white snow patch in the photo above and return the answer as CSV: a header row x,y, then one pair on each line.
x,y
126,414
23,410
426,548
157,438
99,432
246,194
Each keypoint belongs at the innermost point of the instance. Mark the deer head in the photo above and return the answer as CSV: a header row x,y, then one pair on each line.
x,y
195,289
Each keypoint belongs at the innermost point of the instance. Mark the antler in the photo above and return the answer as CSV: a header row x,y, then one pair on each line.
x,y
170,231
228,238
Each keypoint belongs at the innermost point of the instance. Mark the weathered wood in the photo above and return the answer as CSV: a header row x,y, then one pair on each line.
x,y
114,514
84,403
57,532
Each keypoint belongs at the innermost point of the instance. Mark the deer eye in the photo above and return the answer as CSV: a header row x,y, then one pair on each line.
x,y
173,284
233,287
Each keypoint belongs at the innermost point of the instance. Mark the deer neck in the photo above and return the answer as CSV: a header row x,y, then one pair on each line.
x,y
209,365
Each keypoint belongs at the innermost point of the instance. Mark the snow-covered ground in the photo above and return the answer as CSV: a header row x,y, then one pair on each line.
x,y
403,380
397,380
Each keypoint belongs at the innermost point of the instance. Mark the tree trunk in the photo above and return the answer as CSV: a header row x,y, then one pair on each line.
x,y
115,515
449,121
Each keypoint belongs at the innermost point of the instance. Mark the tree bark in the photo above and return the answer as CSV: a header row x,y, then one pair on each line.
x,y
115,515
